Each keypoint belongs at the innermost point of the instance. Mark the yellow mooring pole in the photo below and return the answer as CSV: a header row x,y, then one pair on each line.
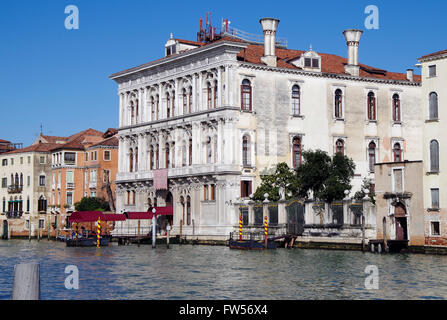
x,y
98,234
265,231
240,227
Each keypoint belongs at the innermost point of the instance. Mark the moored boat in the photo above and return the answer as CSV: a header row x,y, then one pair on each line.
x,y
251,244
86,242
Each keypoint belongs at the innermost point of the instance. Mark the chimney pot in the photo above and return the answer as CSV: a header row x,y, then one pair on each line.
x,y
352,37
410,75
269,26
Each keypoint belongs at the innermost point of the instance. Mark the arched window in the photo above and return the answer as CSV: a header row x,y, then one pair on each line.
x,y
136,111
4,204
17,180
183,204
185,101
296,100
433,106
157,107
173,155
151,158
245,150
167,153
190,152
190,101
215,94
396,107
209,96
152,109
21,180
209,152
149,203
397,152
132,113
371,106
168,105
157,157
130,160
340,147
246,97
338,104
434,156
296,152
371,155
136,159
42,204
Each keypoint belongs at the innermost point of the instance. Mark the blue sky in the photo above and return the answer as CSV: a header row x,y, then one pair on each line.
x,y
59,78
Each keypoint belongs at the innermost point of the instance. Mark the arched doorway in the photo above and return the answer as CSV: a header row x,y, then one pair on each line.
x,y
401,222
188,210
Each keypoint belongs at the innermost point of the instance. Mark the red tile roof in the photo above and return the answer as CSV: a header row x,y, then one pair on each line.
x,y
109,142
434,54
38,147
4,141
80,140
330,63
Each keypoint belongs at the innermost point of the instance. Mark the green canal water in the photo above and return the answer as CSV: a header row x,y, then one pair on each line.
x,y
216,272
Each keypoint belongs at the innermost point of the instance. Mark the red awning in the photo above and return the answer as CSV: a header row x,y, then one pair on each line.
x,y
91,216
138,215
159,211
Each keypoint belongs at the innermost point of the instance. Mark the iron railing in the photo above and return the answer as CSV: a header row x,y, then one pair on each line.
x,y
15,188
14,214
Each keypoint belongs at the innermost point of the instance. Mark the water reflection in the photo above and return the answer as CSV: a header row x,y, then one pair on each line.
x,y
201,272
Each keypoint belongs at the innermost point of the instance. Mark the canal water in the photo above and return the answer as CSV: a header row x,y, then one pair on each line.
x,y
216,272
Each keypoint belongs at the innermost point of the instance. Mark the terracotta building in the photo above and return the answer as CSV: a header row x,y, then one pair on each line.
x,y
80,168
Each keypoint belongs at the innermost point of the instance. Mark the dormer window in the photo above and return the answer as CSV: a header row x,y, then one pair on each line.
x,y
311,62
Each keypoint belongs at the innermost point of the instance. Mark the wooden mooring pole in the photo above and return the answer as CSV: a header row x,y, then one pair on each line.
x,y
26,282
168,232
154,222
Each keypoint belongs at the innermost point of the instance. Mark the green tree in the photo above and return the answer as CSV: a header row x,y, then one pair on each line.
x,y
366,184
326,177
92,204
284,177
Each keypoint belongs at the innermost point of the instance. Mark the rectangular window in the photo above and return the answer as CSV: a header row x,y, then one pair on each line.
x,y
435,229
42,181
12,161
398,180
315,63
4,182
28,181
86,177
213,192
205,192
93,194
307,62
432,71
93,176
106,177
106,155
29,159
435,198
42,160
70,158
245,189
70,198
21,160
85,156
4,162
41,224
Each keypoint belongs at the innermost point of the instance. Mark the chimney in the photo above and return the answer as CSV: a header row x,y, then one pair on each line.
x,y
410,75
352,37
269,26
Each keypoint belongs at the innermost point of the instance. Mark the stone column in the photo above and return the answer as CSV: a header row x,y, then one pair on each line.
x,y
220,137
200,86
160,101
176,101
251,212
121,109
194,93
282,217
346,203
219,87
140,105
227,86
